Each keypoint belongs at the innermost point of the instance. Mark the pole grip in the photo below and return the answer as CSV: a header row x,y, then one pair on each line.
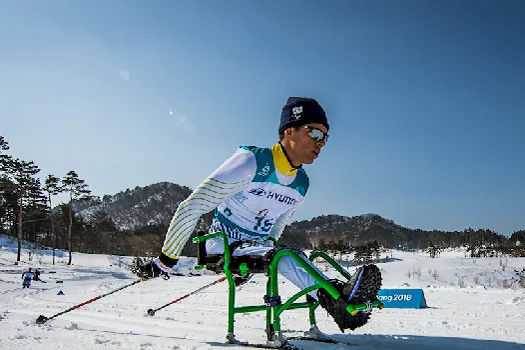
x,y
201,255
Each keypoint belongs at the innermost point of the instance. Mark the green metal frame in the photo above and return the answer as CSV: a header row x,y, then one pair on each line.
x,y
273,313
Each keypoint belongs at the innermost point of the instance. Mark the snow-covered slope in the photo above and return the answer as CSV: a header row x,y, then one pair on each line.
x,y
474,314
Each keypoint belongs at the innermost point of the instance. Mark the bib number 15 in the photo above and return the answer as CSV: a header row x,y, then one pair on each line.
x,y
262,224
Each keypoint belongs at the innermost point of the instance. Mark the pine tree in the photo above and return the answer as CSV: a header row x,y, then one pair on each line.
x,y
35,215
78,190
5,184
8,204
19,175
4,145
52,188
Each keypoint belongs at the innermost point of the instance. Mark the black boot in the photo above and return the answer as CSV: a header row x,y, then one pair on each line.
x,y
240,280
364,285
361,288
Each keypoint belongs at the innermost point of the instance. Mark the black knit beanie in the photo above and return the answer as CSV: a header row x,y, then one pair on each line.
x,y
301,110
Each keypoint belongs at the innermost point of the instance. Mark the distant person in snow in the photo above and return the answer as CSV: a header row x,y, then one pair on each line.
x,y
27,276
36,275
254,194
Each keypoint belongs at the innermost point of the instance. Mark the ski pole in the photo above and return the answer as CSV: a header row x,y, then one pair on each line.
x,y
151,312
43,319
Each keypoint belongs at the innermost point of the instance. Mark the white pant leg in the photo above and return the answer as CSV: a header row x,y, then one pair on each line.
x,y
296,274
287,266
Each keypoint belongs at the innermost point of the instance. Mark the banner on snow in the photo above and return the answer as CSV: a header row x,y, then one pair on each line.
x,y
402,298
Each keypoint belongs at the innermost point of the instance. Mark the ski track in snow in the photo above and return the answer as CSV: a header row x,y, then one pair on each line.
x,y
457,318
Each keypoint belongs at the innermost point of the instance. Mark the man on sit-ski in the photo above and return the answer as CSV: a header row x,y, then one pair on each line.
x,y
254,193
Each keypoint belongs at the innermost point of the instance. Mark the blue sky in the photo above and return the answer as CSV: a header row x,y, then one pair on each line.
x,y
426,99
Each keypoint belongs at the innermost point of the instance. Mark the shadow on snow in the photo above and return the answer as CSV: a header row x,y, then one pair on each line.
x,y
398,342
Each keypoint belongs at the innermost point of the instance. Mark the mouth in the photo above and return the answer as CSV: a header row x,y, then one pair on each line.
x,y
316,153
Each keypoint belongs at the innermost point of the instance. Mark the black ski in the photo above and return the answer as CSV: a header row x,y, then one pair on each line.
x,y
289,346
286,346
323,340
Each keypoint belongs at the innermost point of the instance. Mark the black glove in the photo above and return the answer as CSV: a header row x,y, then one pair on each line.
x,y
149,269
152,268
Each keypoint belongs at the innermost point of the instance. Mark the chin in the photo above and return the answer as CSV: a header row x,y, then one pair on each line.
x,y
309,161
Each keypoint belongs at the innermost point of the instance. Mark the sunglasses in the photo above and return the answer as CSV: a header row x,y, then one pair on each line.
x,y
317,134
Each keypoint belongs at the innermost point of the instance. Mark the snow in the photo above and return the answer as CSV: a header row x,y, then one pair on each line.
x,y
467,306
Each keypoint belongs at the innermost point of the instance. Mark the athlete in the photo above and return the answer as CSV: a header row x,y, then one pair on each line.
x,y
254,194
27,276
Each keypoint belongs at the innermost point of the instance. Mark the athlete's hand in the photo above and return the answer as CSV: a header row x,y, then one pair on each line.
x,y
153,268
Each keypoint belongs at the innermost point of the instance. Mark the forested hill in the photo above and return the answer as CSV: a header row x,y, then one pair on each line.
x,y
354,230
151,205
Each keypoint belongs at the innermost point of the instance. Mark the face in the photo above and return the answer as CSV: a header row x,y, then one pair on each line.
x,y
304,148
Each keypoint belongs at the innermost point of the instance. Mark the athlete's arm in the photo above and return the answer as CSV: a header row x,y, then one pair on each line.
x,y
231,177
282,221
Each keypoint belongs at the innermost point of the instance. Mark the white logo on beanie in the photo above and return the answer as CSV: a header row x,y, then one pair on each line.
x,y
297,112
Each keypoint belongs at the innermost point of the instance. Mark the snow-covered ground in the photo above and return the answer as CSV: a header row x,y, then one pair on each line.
x,y
468,308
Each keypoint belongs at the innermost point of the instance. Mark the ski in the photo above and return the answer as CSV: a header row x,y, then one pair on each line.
x,y
290,346
286,346
323,340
